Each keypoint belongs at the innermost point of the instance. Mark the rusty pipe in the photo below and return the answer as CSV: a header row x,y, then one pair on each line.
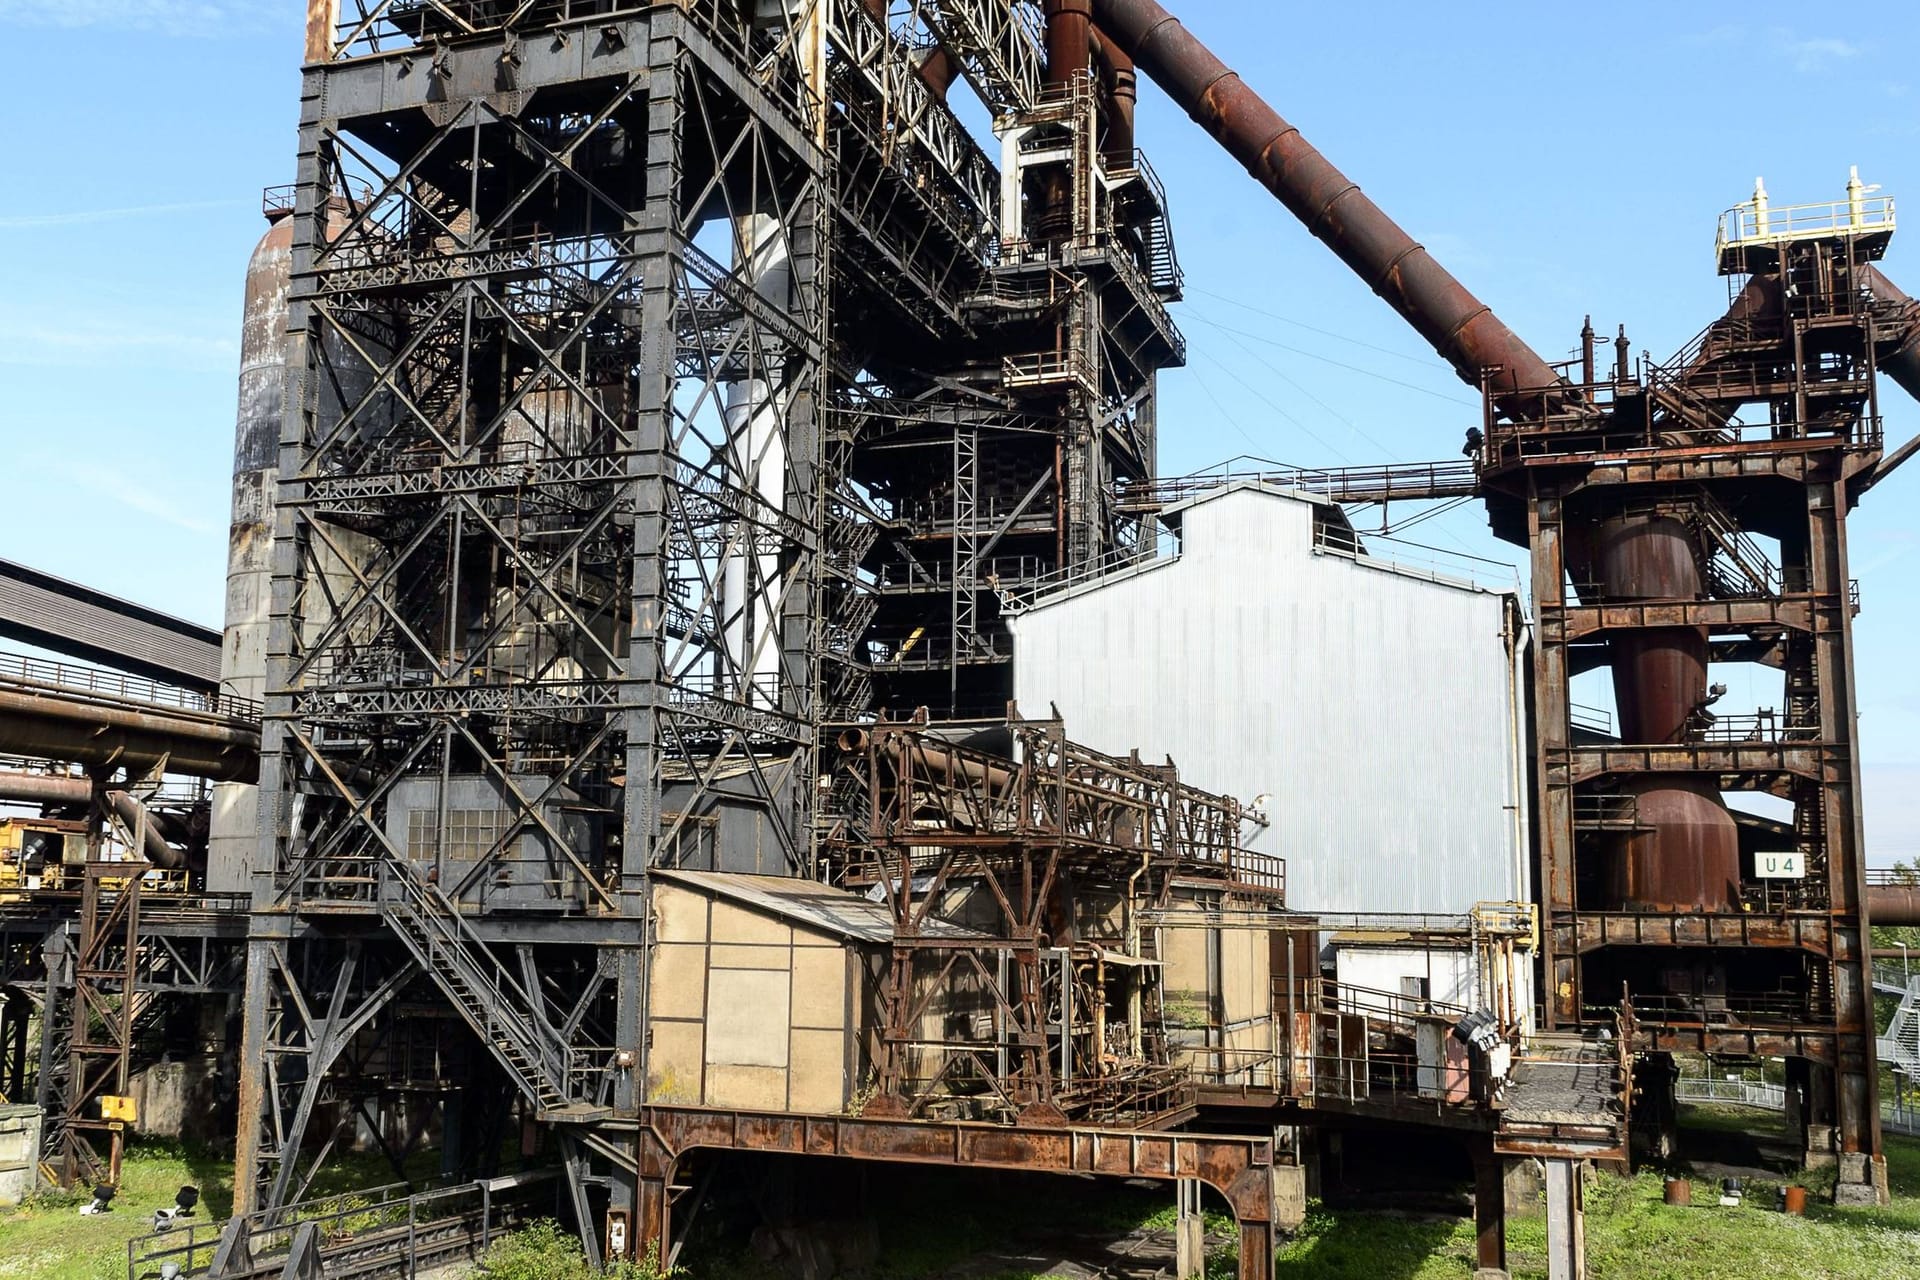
x,y
54,789
1069,27
45,788
1893,904
1120,81
1441,309
134,816
99,734
1903,363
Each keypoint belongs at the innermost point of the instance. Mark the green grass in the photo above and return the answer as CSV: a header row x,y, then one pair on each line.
x,y
47,1239
1633,1235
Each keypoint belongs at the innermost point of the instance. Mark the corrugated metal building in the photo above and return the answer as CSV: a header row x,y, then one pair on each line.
x,y
1374,705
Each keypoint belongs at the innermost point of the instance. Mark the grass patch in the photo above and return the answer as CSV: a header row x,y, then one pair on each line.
x,y
46,1238
1633,1235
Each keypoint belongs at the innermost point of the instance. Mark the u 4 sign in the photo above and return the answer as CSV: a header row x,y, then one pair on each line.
x,y
1780,866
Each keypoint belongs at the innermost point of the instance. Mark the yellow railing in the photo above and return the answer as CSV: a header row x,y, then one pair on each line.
x,y
1756,223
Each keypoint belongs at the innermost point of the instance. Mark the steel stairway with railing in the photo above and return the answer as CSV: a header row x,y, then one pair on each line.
x,y
517,1025
1899,1047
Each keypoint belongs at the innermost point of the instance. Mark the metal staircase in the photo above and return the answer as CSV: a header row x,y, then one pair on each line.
x,y
1899,1048
518,1025
1737,566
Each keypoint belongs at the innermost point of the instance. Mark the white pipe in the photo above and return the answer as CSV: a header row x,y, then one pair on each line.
x,y
756,461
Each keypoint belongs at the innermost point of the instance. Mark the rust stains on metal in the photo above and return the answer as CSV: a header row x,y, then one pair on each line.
x,y
1893,904
1685,854
52,727
322,17
1069,28
1239,1168
1903,363
1120,85
1458,325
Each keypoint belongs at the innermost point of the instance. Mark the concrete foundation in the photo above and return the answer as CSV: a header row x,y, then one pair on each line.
x,y
19,1151
176,1100
1524,1183
1862,1181
1289,1196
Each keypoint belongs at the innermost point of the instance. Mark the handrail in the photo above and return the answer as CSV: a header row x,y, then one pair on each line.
x,y
138,690
1752,223
1408,481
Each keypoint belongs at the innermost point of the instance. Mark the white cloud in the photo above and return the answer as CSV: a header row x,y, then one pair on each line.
x,y
167,17
1808,55
78,217
1813,53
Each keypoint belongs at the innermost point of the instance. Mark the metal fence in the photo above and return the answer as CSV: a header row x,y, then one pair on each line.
x,y
1773,1097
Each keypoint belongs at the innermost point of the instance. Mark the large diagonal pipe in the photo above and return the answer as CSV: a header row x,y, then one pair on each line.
x,y
1460,327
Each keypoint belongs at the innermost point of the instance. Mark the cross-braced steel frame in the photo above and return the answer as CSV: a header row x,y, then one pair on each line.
x,y
1049,854
1779,968
549,525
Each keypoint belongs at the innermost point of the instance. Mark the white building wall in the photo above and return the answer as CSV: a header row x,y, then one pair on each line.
x,y
1374,707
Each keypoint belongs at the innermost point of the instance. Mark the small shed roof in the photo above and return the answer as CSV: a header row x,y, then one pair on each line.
x,y
808,903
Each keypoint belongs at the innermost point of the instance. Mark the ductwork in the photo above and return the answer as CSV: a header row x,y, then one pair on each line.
x,y
1069,28
1120,82
1893,904
54,789
47,726
45,789
1903,364
1458,325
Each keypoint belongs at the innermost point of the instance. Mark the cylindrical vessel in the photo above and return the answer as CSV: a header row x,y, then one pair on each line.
x,y
256,474
1069,26
1678,1191
1795,1201
1684,854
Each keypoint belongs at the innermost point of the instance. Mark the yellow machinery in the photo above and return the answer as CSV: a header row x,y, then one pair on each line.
x,y
38,853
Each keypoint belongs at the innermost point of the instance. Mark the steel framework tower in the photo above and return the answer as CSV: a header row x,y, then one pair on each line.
x,y
547,550
599,491
1689,514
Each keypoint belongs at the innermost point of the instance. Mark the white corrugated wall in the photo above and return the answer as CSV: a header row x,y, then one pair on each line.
x,y
1375,708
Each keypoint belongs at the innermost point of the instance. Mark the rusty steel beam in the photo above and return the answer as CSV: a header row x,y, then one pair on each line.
x,y
1239,1168
1460,327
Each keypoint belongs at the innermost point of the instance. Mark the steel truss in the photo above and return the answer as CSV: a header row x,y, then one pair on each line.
x,y
549,534
1048,855
1802,343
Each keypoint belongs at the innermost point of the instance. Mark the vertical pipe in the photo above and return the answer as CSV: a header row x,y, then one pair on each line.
x,y
1069,27
1120,82
1586,353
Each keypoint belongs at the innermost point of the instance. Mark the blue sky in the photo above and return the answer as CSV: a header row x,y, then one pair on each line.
x,y
1561,159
